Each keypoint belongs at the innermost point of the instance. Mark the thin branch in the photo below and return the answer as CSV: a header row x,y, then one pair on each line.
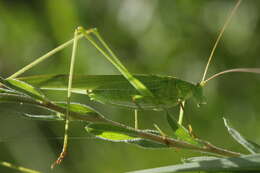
x,y
18,168
99,118
171,142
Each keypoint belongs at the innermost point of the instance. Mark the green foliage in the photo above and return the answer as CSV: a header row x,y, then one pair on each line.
x,y
252,147
154,37
181,132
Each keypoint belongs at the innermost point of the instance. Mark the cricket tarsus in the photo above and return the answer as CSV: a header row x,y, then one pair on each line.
x,y
59,160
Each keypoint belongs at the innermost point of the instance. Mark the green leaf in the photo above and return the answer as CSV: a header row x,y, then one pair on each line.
x,y
80,108
250,146
22,87
184,135
16,98
180,132
19,102
77,107
243,163
117,134
56,116
99,128
7,91
145,143
172,122
26,106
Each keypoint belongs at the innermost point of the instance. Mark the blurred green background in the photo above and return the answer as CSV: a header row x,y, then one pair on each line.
x,y
169,37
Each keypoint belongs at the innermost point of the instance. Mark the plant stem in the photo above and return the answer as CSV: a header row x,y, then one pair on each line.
x,y
19,168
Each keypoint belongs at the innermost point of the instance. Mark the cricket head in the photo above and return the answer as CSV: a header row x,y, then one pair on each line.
x,y
198,94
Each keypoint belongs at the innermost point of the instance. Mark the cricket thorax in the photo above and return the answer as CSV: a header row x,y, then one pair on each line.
x,y
198,95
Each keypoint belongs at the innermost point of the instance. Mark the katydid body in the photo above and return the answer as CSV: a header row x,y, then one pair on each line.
x,y
116,90
132,91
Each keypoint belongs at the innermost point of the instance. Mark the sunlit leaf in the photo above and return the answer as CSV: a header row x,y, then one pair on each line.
x,y
80,108
44,117
198,159
243,163
117,134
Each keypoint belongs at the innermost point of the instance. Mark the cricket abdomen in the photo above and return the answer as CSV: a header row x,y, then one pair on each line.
x,y
168,91
116,90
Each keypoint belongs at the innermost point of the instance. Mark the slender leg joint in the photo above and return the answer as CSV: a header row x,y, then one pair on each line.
x,y
59,160
84,31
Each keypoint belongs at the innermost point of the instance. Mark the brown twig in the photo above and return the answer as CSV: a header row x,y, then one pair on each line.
x,y
171,142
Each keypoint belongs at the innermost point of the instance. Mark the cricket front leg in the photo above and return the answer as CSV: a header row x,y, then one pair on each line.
x,y
44,57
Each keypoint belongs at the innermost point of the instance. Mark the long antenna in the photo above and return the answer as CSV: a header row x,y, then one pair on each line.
x,y
218,38
243,70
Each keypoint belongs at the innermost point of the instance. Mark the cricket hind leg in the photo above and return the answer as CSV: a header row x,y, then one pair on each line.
x,y
113,59
92,35
66,129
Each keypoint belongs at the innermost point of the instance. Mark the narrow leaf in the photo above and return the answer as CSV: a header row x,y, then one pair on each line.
x,y
99,128
148,144
15,98
26,106
243,163
116,134
22,87
7,91
180,132
80,108
250,146
198,159
44,117
184,135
